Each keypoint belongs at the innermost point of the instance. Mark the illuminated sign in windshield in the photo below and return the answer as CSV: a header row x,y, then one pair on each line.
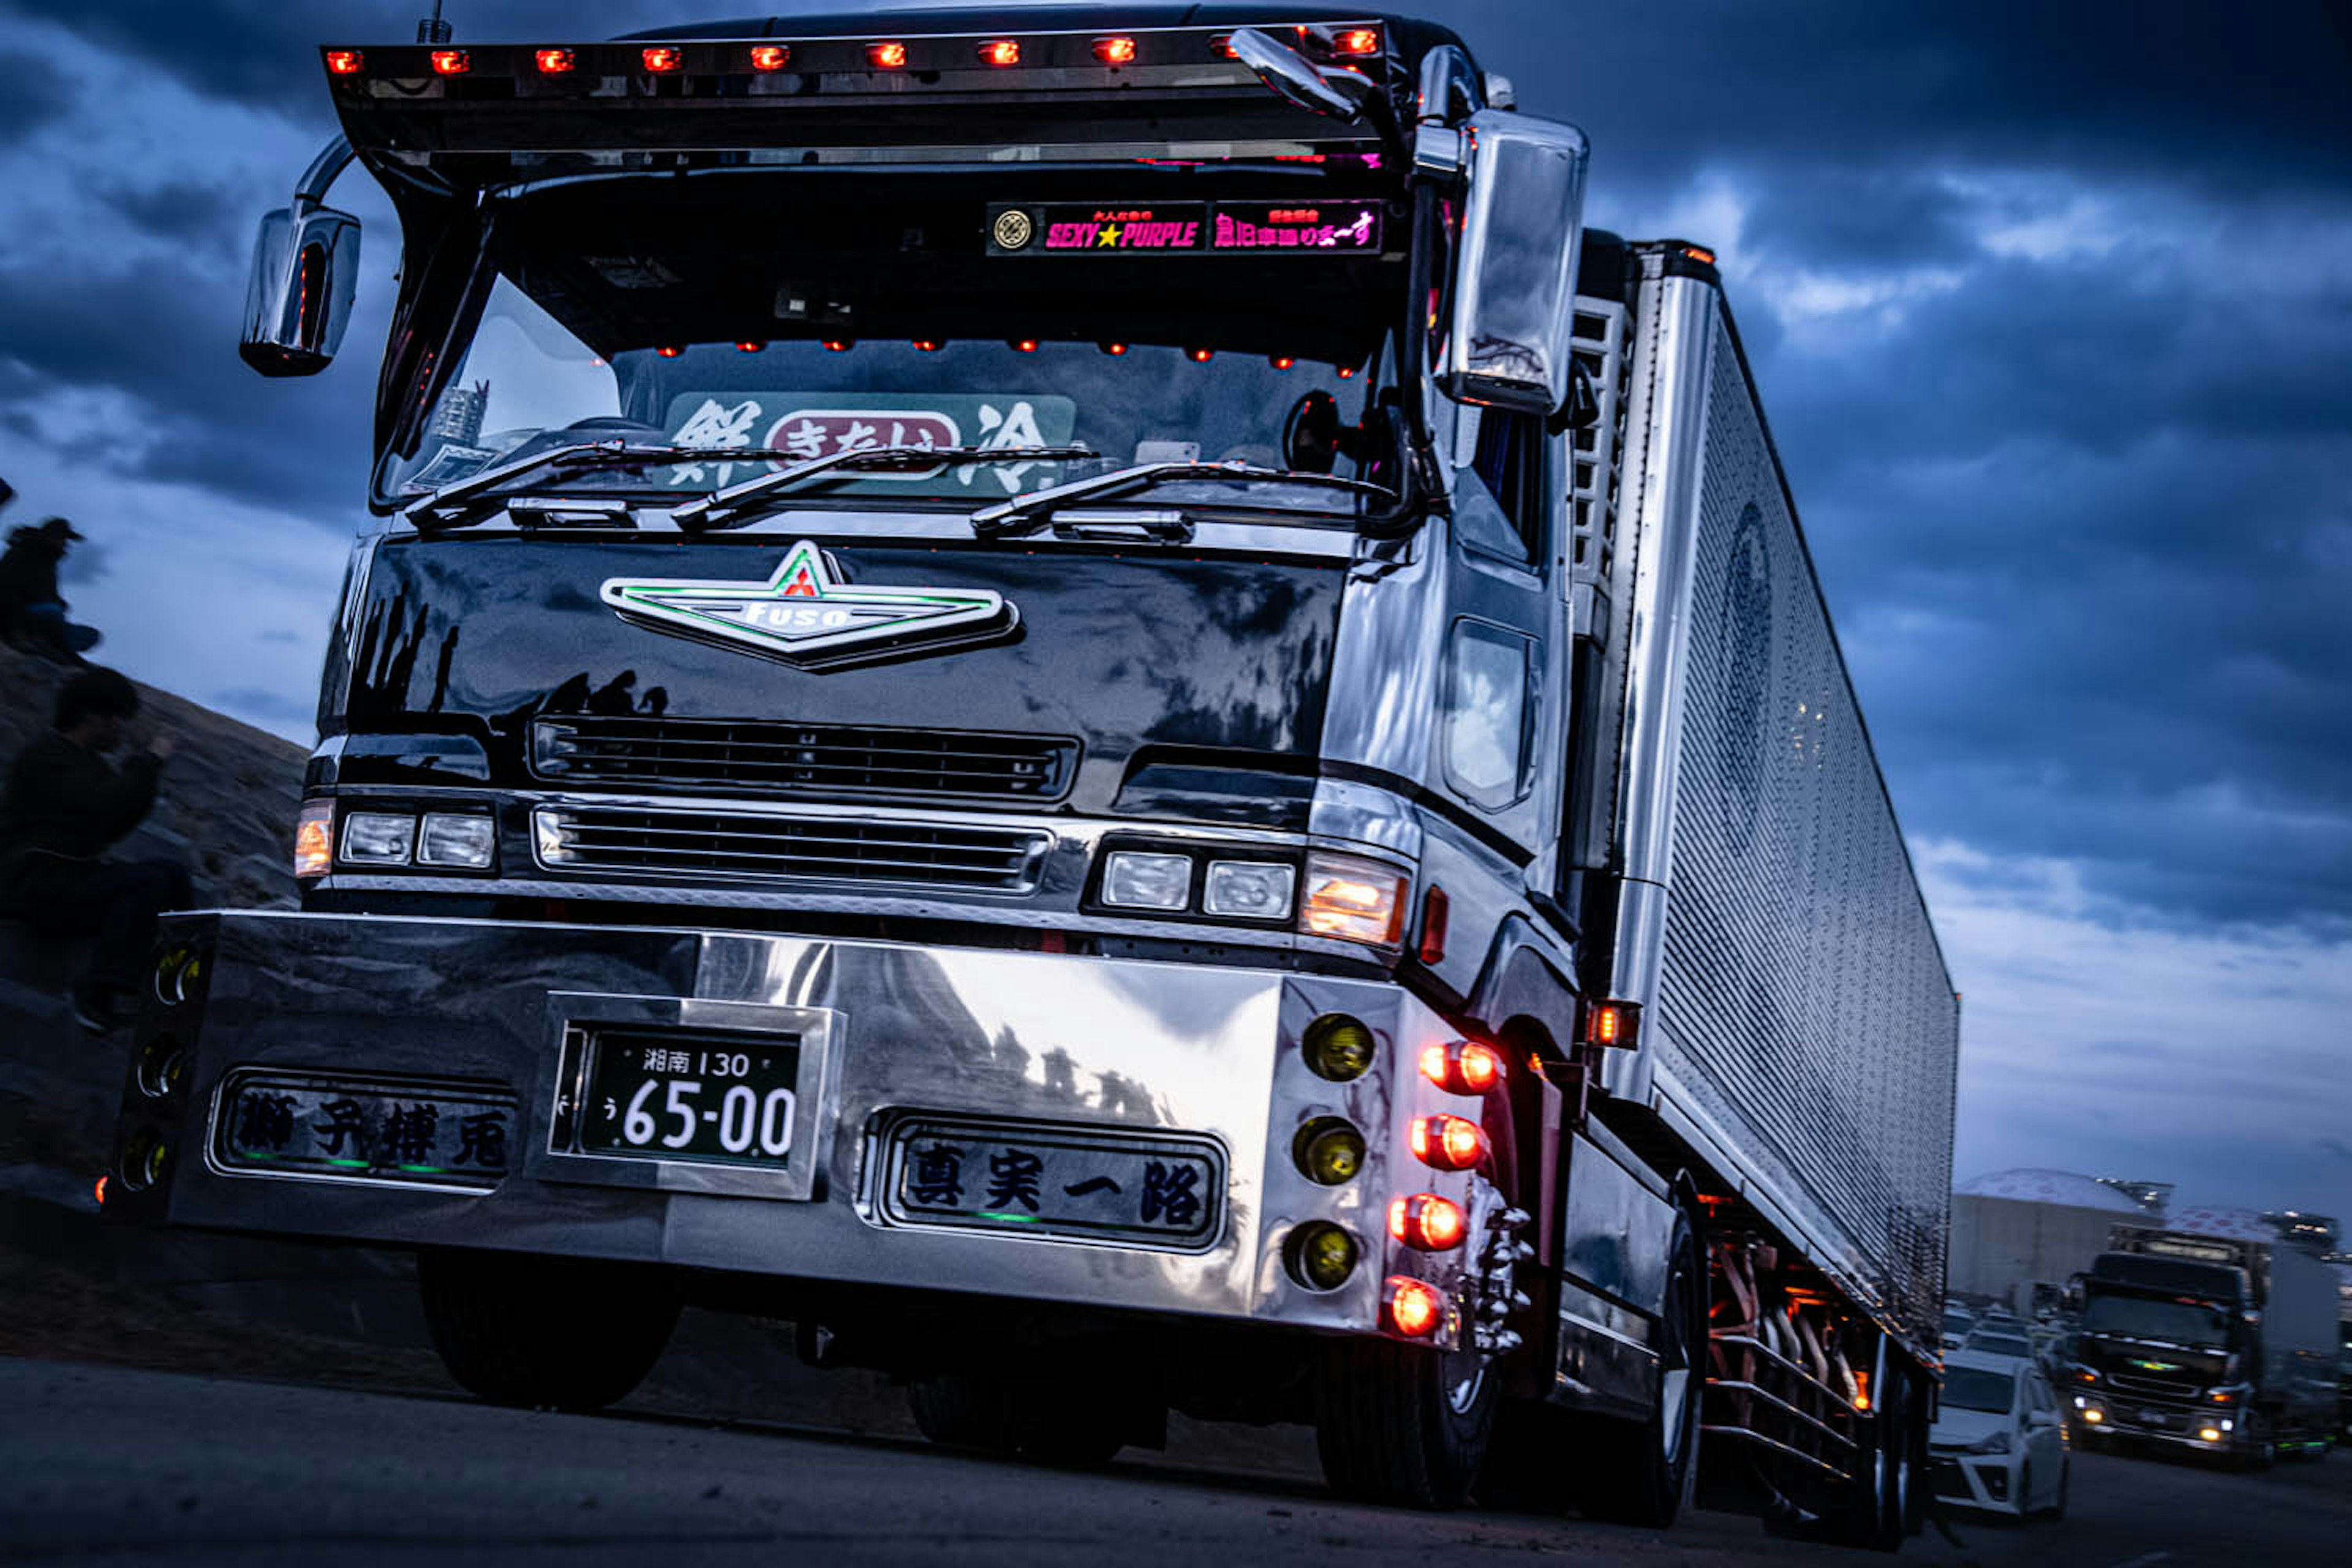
x,y
1074,229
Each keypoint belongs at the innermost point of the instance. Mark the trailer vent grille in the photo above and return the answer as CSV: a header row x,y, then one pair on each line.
x,y
740,846
1600,348
801,758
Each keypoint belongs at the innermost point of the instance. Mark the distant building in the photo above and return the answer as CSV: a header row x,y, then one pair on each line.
x,y
2152,1196
2015,1229
457,418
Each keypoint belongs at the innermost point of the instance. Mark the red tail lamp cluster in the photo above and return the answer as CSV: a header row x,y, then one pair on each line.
x,y
1448,1143
1462,1066
1428,1222
1414,1307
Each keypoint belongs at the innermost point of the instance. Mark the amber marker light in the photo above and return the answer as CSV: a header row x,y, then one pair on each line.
x,y
1281,362
99,1192
1414,1307
1428,1222
1222,46
750,346
1199,356
670,351
927,345
556,62
1001,52
887,56
1356,41
314,839
770,57
346,62
451,62
1448,1143
840,345
1117,51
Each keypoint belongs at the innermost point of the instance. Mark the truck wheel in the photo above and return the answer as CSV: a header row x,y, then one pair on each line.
x,y
560,1333
1636,1472
1402,1423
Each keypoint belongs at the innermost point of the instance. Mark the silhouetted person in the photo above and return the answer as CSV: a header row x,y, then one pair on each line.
x,y
32,610
64,805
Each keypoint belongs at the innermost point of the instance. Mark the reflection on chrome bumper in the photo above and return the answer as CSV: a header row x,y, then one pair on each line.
x,y
1149,1055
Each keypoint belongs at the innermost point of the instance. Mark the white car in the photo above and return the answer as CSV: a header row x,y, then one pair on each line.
x,y
1998,1443
1956,1323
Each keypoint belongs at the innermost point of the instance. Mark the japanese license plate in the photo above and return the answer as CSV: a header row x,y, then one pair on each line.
x,y
328,1125
714,1099
1139,1188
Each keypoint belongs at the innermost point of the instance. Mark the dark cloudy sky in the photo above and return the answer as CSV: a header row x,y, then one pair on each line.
x,y
2052,305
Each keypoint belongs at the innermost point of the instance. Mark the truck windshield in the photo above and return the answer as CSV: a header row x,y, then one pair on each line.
x,y
1974,1388
2145,1317
805,319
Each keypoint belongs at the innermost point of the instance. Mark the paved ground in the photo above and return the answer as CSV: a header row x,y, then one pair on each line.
x,y
108,1465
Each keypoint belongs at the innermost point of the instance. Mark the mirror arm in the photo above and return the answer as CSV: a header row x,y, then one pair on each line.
x,y
331,161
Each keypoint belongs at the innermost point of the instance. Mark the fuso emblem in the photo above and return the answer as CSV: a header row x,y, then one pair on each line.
x,y
807,616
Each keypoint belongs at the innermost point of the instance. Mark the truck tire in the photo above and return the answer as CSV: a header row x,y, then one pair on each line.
x,y
1638,1472
1404,1423
552,1333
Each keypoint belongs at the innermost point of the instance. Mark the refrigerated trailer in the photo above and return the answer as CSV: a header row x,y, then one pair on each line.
x,y
1100,710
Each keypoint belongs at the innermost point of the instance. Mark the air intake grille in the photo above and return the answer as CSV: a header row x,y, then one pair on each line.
x,y
802,759
749,847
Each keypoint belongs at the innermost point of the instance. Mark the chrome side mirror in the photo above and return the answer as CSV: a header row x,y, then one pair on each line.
x,y
1341,94
1508,343
306,270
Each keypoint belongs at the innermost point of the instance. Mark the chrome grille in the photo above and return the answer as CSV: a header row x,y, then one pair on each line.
x,y
801,758
740,846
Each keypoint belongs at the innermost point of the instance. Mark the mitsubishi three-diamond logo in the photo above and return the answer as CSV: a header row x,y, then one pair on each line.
x,y
807,616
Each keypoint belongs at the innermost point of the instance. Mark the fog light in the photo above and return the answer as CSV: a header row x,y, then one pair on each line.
x,y
1135,880
1414,1307
1462,1066
1329,1150
1448,1143
167,974
162,1067
1321,1256
378,838
314,838
1428,1222
1337,1047
1249,889
2093,1418
145,1161
468,842
2210,1434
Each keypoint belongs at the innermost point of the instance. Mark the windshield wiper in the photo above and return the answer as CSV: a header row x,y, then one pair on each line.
x,y
720,508
454,503
1026,514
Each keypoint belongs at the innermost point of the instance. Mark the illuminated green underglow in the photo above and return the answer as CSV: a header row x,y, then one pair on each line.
x,y
1010,1218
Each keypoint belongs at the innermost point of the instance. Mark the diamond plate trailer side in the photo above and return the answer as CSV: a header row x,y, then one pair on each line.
x,y
1800,1031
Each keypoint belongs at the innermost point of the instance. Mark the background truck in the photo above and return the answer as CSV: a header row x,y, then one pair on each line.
x,y
2223,1345
1085,701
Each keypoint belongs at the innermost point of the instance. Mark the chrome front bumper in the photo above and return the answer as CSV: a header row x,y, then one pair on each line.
x,y
1074,1042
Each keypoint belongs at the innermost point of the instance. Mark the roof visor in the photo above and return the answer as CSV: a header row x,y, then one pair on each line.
x,y
489,115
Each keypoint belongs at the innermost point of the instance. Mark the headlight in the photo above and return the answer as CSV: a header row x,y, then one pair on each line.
x,y
468,842
378,838
1133,879
1249,889
1353,900
1996,1444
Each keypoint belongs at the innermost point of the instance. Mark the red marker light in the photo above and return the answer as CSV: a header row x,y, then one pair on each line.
x,y
451,62
927,345
669,351
663,61
1436,910
1414,1309
749,347
1347,373
556,62
1428,1222
1356,41
1024,346
1462,1066
1114,350
99,1192
887,57
1448,1143
841,345
1281,362
1199,356
1222,46
1115,51
1001,52
770,57
345,62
